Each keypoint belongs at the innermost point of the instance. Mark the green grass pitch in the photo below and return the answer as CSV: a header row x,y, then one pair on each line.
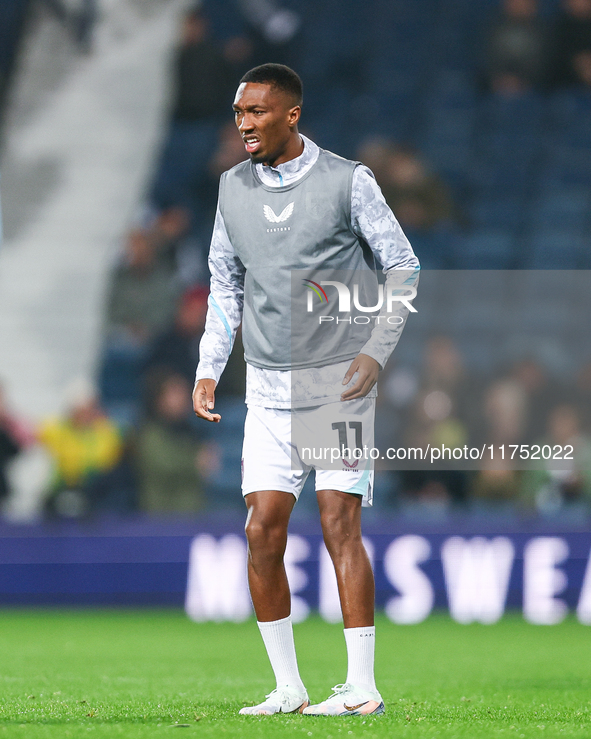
x,y
154,673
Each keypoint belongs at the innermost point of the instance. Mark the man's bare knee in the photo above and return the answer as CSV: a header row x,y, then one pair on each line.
x,y
263,537
335,525
266,524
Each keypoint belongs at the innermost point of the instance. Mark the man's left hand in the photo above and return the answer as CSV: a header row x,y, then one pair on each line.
x,y
367,375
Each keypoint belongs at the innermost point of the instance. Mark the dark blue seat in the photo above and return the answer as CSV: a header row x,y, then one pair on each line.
x,y
543,316
494,176
578,134
434,248
566,107
567,175
391,80
569,164
331,137
451,89
120,381
555,249
450,160
486,249
481,350
515,113
562,208
476,314
183,162
224,25
402,11
512,146
490,286
496,213
120,373
448,125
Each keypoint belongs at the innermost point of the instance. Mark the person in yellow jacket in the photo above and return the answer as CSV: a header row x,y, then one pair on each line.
x,y
85,447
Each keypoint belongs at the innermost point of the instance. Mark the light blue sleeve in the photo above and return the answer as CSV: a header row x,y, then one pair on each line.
x,y
373,221
226,299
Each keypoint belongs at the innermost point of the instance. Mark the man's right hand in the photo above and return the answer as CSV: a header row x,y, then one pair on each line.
x,y
204,400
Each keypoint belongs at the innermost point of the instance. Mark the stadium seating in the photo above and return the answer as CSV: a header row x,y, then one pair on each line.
x,y
562,208
555,249
486,249
410,71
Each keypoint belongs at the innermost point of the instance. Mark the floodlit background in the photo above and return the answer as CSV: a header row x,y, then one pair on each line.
x,y
116,124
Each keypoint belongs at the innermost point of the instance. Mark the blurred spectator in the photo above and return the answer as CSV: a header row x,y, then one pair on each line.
x,y
398,389
573,43
143,292
170,226
278,25
506,412
203,83
505,405
517,49
444,366
495,487
583,389
239,52
13,438
202,79
374,152
273,30
87,449
168,449
181,244
431,494
557,485
436,418
582,67
436,410
428,404
538,393
229,152
141,303
177,348
434,422
419,198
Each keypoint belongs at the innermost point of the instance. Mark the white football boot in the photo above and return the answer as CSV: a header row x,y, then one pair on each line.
x,y
284,699
348,700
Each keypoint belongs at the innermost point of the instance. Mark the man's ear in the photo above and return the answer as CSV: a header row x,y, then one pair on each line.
x,y
294,116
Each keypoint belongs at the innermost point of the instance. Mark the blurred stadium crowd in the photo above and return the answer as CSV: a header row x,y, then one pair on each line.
x,y
476,119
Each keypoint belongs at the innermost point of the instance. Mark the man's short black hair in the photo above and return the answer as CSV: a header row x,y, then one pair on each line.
x,y
278,76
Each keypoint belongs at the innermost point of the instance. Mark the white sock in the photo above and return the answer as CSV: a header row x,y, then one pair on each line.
x,y
278,639
361,644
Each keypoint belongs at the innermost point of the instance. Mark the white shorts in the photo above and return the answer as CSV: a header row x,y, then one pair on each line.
x,y
274,458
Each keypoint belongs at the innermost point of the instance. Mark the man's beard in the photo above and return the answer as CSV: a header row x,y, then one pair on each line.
x,y
257,158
